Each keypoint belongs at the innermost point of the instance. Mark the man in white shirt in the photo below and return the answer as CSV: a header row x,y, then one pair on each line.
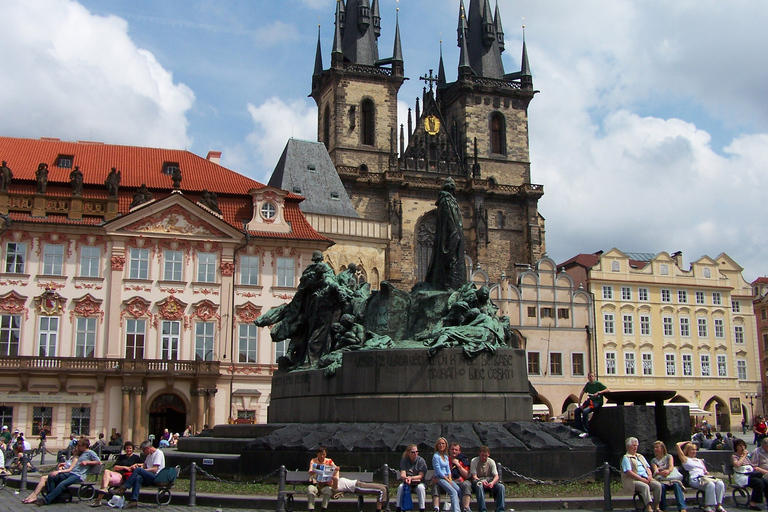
x,y
144,473
485,479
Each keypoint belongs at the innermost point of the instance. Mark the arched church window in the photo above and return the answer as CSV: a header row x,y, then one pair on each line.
x,y
327,127
425,241
498,136
368,122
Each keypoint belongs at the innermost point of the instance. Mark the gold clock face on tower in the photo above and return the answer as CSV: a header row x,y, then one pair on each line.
x,y
432,124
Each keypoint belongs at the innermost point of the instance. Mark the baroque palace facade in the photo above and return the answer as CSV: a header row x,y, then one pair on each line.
x,y
128,306
660,326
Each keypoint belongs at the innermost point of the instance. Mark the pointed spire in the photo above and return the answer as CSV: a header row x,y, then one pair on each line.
x,y
318,55
462,30
465,70
410,126
484,53
489,28
441,70
499,29
341,14
402,140
525,69
376,18
337,53
418,108
397,52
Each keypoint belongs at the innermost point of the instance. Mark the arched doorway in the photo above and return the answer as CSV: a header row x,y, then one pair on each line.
x,y
425,241
167,411
722,414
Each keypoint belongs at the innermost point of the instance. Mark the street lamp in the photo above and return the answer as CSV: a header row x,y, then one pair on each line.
x,y
751,397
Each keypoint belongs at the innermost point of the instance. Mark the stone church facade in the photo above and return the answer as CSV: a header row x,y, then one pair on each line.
x,y
474,130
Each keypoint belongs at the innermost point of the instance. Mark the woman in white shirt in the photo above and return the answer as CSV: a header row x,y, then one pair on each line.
x,y
713,488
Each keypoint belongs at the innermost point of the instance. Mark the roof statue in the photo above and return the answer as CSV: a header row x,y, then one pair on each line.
x,y
76,180
41,175
113,182
6,175
176,177
210,200
141,196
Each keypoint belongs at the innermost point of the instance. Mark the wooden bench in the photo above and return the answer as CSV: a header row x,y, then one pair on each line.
x,y
302,478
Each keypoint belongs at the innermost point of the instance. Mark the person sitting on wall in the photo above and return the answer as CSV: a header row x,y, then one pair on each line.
x,y
485,479
595,391
119,472
413,470
144,473
321,482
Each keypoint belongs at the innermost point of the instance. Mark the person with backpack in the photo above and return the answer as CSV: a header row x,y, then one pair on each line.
x,y
144,473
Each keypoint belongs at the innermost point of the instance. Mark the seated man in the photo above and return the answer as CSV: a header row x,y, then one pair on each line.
x,y
460,474
594,390
341,485
319,482
119,472
413,469
485,479
144,473
58,481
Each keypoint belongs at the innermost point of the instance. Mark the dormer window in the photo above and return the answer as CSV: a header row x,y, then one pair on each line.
x,y
170,167
297,190
335,196
311,167
65,161
268,211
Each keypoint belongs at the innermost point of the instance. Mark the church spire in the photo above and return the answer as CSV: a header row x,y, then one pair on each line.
x,y
441,82
318,56
465,69
337,53
376,18
397,51
360,34
525,69
499,29
484,51
462,30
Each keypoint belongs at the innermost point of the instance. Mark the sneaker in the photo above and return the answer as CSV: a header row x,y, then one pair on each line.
x,y
447,505
132,504
437,509
583,434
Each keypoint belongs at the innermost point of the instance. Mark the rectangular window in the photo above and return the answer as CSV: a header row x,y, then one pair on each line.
x,y
249,270
534,363
738,333
139,264
664,269
629,363
246,415
135,331
90,259
647,363
546,312
81,421
706,370
10,332
204,332
170,340
53,259
671,364
626,293
719,328
48,336
666,295
85,337
531,311
722,366
645,325
682,296
685,327
555,363
629,324
642,294
280,347
703,327
741,369
608,321
700,298
41,420
563,313
607,292
610,363
174,263
577,363
15,256
206,267
736,306
668,326
6,416
285,272
687,365
248,343
717,298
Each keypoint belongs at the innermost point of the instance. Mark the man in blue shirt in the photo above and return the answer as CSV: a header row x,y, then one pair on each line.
x,y
58,481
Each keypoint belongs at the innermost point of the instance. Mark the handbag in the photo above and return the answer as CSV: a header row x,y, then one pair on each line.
x,y
406,500
674,475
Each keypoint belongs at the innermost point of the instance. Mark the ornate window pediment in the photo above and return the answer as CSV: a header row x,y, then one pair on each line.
x,y
248,312
14,304
50,303
86,307
174,221
171,308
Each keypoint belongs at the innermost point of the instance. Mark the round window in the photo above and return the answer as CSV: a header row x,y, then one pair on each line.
x,y
268,210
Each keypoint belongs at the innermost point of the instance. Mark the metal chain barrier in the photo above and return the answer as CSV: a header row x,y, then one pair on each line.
x,y
217,479
559,482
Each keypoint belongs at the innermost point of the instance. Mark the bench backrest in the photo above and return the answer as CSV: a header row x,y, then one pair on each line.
x,y
302,477
96,469
362,476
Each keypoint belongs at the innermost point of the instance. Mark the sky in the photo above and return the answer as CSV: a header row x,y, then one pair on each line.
x,y
649,133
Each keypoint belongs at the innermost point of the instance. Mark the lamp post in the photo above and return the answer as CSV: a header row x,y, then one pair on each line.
x,y
751,397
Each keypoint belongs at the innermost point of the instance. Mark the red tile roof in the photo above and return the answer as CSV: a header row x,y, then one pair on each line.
x,y
760,280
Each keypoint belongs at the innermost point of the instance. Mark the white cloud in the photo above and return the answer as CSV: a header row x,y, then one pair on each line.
x,y
275,122
276,33
67,73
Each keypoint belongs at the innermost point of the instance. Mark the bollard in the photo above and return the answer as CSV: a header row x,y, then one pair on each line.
x,y
607,505
98,450
42,452
385,478
192,485
281,490
23,482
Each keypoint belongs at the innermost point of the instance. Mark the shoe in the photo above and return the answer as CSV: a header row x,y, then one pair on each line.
x,y
754,507
40,502
721,509
447,505
132,504
583,434
96,502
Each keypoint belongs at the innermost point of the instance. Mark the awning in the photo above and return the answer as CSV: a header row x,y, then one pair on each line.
x,y
540,409
694,410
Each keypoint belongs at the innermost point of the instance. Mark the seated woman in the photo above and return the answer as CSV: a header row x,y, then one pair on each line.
x,y
636,476
174,440
713,488
119,473
442,467
744,474
664,470
60,467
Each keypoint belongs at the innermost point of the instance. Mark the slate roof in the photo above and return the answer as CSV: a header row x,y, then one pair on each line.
x,y
305,168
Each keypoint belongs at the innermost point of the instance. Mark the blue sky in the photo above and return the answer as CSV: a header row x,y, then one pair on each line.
x,y
650,132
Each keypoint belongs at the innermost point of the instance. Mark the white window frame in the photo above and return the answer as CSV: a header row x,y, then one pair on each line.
x,y
687,365
738,334
248,343
626,293
722,365
53,259
249,270
643,294
280,348
630,363
647,358
607,292
701,298
736,306
666,295
706,365
205,334
670,364
685,327
703,327
90,261
85,337
628,324
682,296
610,363
285,273
668,324
170,339
741,369
47,336
645,325
15,257
173,265
609,323
206,267
138,263
719,328
136,329
717,298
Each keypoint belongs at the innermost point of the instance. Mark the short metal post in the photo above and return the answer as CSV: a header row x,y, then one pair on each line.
x,y
281,490
192,485
98,450
23,482
607,505
42,452
385,478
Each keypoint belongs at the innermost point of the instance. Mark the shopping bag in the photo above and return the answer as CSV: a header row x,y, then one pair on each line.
x,y
406,500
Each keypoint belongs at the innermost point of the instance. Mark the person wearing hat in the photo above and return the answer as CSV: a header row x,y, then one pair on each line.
x,y
6,434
